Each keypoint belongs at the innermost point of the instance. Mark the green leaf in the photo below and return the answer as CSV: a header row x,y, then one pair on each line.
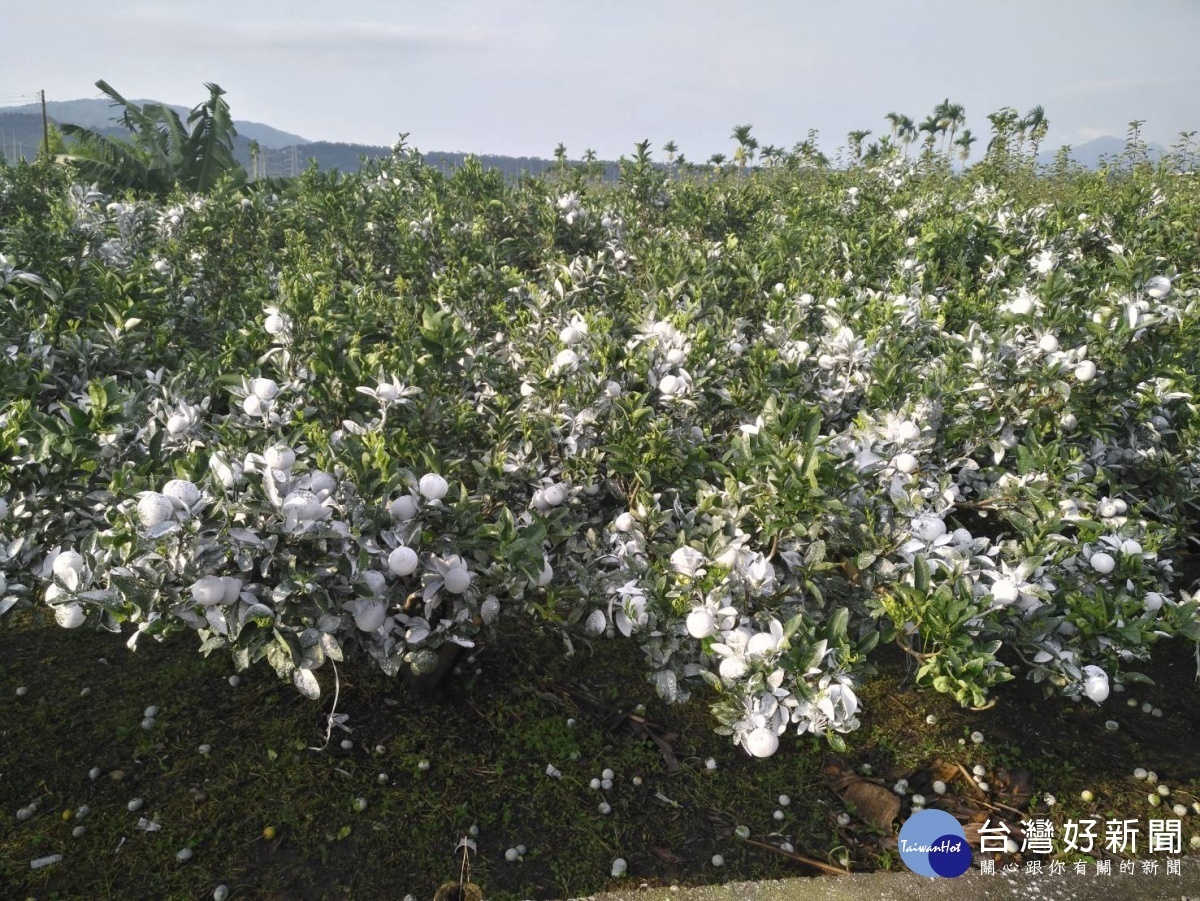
x,y
1021,523
868,643
837,625
793,625
812,429
921,574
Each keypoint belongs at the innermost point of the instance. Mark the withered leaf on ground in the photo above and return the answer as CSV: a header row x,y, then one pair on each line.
x,y
958,809
834,767
667,855
941,771
1014,789
873,803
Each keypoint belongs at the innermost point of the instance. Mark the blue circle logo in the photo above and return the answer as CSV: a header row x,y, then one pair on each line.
x,y
932,843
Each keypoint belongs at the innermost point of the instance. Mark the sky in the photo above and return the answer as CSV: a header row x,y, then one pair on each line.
x,y
517,77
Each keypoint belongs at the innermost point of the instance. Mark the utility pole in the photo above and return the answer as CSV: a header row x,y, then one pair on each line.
x,y
45,124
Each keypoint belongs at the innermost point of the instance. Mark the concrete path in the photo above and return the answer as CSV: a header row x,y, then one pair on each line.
x,y
971,887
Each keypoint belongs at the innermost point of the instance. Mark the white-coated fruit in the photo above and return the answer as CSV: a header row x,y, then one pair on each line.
x,y
403,561
432,486
70,616
457,580
208,590
761,742
154,509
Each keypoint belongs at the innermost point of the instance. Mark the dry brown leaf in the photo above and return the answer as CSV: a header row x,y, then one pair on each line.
x,y
874,804
940,771
834,767
971,831
1014,789
667,855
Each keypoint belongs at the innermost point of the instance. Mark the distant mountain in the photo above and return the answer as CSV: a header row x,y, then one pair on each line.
x,y
1094,151
280,152
265,134
101,114
20,135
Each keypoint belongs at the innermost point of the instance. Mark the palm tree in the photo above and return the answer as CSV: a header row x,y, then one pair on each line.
x,y
161,153
589,160
670,149
254,151
717,160
1037,124
878,150
931,127
560,154
941,117
964,142
809,151
906,131
746,146
771,154
895,120
855,138
956,115
949,117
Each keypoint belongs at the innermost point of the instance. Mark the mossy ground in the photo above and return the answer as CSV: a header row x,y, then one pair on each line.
x,y
488,739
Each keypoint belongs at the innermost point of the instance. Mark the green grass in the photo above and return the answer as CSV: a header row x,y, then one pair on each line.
x,y
488,739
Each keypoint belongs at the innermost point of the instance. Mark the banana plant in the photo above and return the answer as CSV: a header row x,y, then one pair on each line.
x,y
161,153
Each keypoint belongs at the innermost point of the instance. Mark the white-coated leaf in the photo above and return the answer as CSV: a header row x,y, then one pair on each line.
x,y
622,623
163,528
260,613
331,648
306,683
595,624
216,619
666,685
